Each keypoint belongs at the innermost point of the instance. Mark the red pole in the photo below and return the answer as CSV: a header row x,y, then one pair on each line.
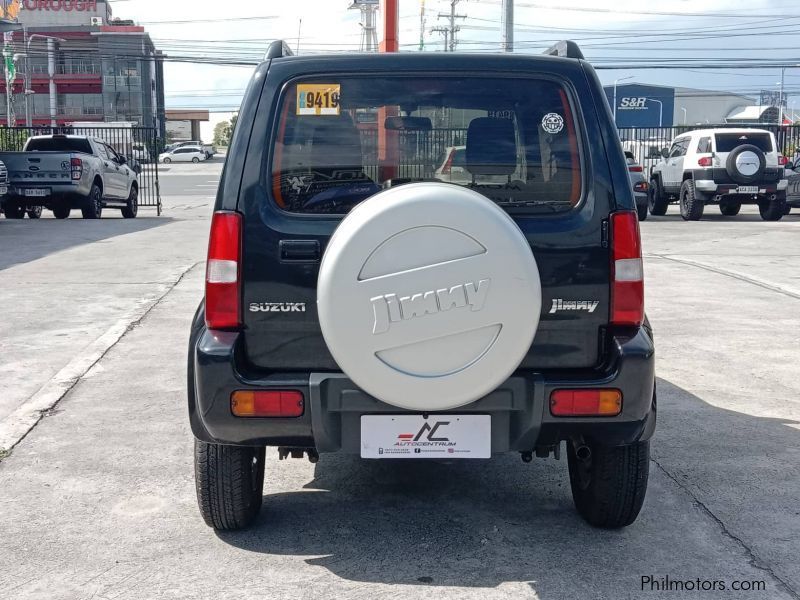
x,y
390,15
388,142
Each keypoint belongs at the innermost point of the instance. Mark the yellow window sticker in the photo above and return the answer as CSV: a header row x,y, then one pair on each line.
x,y
318,99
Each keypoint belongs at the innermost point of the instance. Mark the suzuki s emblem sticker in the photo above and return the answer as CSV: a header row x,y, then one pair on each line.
x,y
390,308
553,123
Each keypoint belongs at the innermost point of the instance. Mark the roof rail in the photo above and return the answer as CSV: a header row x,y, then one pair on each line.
x,y
278,49
565,49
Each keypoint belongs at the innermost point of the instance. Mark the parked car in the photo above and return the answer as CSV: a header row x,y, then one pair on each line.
x,y
638,183
66,172
208,149
193,154
351,308
793,186
726,167
141,153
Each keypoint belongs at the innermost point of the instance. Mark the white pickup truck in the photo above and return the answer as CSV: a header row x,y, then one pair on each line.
x,y
66,172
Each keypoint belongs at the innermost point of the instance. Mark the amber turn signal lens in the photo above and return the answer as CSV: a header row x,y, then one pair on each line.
x,y
585,403
271,403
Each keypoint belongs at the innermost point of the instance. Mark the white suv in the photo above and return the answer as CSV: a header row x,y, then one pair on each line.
x,y
727,167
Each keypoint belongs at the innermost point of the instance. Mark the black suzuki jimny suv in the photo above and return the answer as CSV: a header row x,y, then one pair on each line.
x,y
424,256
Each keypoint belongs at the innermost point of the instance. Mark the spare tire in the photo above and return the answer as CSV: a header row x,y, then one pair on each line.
x,y
428,296
746,164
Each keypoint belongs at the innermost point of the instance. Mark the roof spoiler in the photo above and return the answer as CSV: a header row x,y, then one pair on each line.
x,y
278,49
565,49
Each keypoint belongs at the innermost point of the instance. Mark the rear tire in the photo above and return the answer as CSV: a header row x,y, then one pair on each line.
x,y
34,212
730,209
772,210
641,211
62,212
656,199
195,160
787,210
229,482
609,488
167,161
93,207
14,211
691,204
132,209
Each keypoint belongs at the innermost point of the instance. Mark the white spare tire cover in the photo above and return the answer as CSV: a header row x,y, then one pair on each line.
x,y
428,296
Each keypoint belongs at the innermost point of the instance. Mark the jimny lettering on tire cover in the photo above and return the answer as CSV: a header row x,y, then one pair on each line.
x,y
388,309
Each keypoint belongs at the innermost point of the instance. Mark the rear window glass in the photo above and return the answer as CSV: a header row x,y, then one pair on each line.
x,y
59,145
341,140
726,142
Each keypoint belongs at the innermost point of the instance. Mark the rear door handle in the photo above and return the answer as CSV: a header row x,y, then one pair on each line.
x,y
300,251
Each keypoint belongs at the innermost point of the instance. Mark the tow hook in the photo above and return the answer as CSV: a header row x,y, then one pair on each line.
x,y
284,452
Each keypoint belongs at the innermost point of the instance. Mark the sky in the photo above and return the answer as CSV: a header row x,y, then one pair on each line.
x,y
618,32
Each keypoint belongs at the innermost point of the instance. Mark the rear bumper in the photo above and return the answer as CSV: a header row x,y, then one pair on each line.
x,y
519,408
73,194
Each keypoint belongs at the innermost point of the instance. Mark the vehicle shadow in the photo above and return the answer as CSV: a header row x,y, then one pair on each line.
x,y
502,522
23,241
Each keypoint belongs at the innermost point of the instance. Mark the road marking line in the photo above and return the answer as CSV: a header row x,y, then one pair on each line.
x,y
792,293
19,423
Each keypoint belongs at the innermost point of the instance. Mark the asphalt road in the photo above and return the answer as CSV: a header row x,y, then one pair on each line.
x,y
97,493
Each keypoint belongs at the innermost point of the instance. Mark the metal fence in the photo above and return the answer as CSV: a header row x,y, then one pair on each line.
x,y
646,143
140,145
420,152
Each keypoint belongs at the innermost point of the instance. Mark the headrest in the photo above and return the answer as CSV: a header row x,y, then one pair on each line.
x,y
336,143
491,147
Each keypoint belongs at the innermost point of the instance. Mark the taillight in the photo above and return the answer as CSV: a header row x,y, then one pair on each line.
x,y
267,403
705,161
627,288
585,403
449,163
76,165
640,187
635,168
782,160
223,303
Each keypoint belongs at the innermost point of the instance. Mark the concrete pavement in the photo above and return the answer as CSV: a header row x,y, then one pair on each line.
x,y
98,500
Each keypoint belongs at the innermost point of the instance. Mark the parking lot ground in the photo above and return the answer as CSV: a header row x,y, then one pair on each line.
x,y
97,501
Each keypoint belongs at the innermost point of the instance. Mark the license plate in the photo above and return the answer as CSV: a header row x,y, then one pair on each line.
x,y
747,189
37,193
438,436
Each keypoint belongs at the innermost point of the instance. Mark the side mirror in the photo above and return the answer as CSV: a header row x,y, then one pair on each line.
x,y
665,152
122,160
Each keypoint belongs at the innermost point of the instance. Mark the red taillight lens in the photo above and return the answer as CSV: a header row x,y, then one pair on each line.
x,y
640,186
585,403
448,165
705,161
635,169
782,160
223,304
272,403
76,164
627,288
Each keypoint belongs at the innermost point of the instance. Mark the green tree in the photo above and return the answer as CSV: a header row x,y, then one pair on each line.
x,y
222,133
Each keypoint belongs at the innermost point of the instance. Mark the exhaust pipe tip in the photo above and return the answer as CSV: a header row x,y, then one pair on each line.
x,y
583,452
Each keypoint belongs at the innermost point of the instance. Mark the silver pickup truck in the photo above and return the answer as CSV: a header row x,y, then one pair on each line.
x,y
66,172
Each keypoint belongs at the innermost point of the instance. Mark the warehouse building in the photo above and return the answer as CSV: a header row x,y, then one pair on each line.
x,y
643,105
78,64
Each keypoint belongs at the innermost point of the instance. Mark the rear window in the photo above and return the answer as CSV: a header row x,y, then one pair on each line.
x,y
340,140
59,145
726,142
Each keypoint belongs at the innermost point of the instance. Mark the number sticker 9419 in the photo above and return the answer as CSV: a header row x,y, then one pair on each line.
x,y
318,99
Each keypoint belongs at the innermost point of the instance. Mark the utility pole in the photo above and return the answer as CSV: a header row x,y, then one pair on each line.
x,y
452,16
445,32
507,26
369,35
421,25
